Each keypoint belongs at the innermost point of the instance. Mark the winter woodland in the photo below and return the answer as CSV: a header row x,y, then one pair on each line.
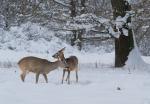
x,y
110,39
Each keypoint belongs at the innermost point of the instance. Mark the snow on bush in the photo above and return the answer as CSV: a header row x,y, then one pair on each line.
x,y
135,60
30,37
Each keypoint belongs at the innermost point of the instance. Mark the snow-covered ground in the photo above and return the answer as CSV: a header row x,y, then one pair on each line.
x,y
102,85
99,82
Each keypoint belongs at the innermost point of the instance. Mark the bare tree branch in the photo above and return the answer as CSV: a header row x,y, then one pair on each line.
x,y
62,3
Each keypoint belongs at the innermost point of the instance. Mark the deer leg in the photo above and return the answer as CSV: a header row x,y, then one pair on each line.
x,y
45,76
37,77
63,76
76,76
23,76
68,77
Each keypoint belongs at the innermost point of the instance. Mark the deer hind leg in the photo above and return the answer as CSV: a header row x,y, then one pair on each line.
x,y
63,76
68,77
23,76
37,77
76,76
45,76
67,69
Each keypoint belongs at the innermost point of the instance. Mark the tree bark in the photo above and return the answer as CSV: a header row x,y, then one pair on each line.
x,y
76,34
123,44
73,8
83,6
77,38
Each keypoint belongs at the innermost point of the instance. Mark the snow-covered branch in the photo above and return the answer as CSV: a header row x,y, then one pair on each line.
x,y
62,3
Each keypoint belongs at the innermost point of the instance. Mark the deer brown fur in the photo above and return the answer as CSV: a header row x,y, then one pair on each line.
x,y
71,62
38,66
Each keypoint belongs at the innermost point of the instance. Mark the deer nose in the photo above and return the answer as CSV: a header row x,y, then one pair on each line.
x,y
54,56
66,67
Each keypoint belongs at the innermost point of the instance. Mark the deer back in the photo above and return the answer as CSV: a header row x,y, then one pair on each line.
x,y
33,64
72,62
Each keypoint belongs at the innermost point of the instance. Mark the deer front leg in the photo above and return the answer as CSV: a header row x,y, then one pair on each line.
x,y
23,76
76,76
63,76
45,77
37,77
68,77
67,69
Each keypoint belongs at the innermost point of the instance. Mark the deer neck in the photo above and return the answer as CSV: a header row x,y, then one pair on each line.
x,y
54,65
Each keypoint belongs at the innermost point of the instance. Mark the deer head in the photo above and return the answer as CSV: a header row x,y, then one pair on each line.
x,y
60,56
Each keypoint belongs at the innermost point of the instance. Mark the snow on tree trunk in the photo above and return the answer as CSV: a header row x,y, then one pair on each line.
x,y
126,51
125,43
135,60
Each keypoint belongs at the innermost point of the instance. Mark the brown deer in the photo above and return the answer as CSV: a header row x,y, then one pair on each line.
x,y
72,64
38,66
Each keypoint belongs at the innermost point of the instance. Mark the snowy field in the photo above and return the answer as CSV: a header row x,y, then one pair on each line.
x,y
98,84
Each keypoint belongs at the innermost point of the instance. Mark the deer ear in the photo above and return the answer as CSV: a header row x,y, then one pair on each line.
x,y
62,50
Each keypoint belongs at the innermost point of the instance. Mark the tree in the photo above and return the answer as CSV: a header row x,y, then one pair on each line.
x,y
76,33
125,43
141,25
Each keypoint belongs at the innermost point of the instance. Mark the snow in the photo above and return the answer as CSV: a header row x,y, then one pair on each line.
x,y
95,86
31,38
115,34
99,82
118,23
133,1
86,21
135,60
125,32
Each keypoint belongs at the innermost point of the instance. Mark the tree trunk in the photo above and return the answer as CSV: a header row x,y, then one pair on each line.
x,y
77,34
83,6
73,37
124,44
77,38
73,8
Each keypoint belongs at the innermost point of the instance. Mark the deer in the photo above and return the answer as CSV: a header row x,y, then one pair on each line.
x,y
38,66
71,62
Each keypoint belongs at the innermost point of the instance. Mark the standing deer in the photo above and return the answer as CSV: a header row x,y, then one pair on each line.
x,y
38,66
72,64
